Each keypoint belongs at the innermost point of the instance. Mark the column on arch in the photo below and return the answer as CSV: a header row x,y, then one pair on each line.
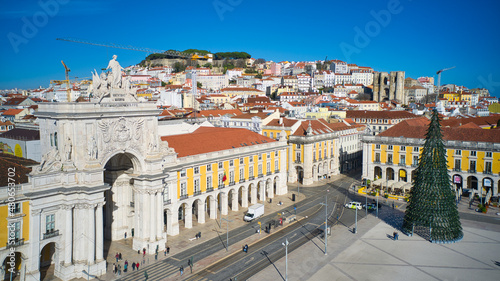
x,y
224,202
188,216
234,203
244,196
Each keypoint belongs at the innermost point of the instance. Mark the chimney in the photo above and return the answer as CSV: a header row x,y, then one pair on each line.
x,y
281,120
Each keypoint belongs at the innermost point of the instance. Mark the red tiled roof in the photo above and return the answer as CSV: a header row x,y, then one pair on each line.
x,y
216,113
7,162
12,112
286,122
14,101
211,139
417,128
261,115
319,127
379,114
485,121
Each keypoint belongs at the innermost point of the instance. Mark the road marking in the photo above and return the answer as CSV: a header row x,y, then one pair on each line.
x,y
251,259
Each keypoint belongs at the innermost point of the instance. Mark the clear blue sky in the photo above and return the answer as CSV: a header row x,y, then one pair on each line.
x,y
421,36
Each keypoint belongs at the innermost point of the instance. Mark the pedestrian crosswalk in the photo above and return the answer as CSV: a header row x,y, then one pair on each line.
x,y
160,271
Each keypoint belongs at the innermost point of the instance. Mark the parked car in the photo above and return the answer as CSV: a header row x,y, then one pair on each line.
x,y
353,205
371,206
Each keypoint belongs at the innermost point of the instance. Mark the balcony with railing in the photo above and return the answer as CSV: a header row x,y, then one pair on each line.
x,y
276,171
15,243
197,192
242,180
167,202
457,169
297,162
487,173
376,162
269,173
182,197
251,178
402,164
132,204
261,175
389,163
221,186
472,171
50,234
210,189
231,183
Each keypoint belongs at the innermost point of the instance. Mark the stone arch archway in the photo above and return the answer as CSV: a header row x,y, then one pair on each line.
x,y
377,173
472,183
403,175
49,266
17,260
119,209
390,174
300,174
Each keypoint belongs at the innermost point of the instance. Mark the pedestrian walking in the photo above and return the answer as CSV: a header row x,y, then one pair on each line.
x,y
145,275
143,251
125,268
120,256
119,270
133,266
125,235
181,269
156,256
168,250
397,235
117,257
165,252
115,269
137,265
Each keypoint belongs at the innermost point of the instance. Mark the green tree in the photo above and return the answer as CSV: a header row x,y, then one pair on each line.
x,y
179,67
199,85
432,199
209,65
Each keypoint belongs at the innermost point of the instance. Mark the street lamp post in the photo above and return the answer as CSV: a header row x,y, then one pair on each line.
x,y
377,203
326,219
356,221
227,233
286,258
366,201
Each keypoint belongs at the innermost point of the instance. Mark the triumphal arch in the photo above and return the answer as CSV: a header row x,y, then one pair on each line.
x,y
100,177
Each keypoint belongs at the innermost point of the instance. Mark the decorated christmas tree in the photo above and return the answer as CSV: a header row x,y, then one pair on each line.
x,y
432,199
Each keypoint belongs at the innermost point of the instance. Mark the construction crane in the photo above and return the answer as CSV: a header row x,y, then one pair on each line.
x,y
68,89
439,80
140,49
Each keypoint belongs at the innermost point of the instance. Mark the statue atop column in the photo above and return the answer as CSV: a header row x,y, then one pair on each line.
x,y
116,72
111,84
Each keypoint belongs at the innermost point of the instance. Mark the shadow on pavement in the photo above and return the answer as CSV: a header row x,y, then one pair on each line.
x,y
264,253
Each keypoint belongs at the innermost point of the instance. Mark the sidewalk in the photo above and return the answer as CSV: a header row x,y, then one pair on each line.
x,y
372,254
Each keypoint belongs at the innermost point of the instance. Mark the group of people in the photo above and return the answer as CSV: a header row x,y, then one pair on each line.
x,y
117,268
